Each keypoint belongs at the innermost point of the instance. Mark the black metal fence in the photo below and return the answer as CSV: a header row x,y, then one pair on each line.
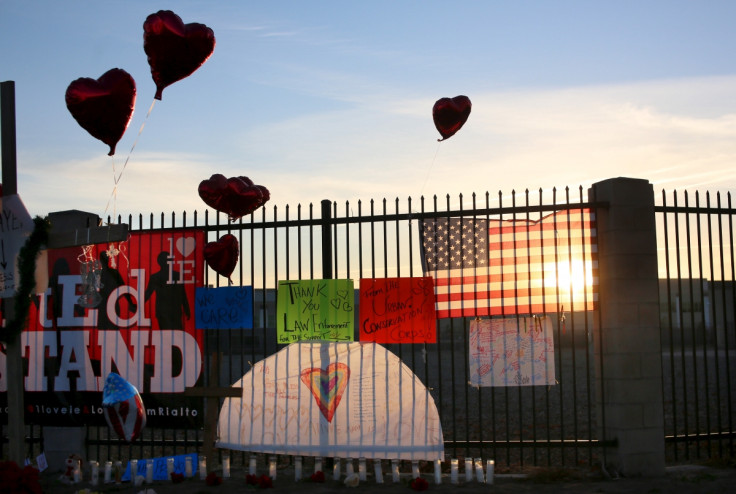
x,y
697,300
532,425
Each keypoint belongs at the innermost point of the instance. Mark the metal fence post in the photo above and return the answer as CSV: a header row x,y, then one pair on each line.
x,y
627,340
326,239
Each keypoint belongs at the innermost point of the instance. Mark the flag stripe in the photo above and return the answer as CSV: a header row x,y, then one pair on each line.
x,y
493,267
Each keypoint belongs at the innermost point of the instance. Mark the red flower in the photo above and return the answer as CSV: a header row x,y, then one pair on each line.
x,y
419,484
213,479
177,477
265,481
251,479
318,476
15,479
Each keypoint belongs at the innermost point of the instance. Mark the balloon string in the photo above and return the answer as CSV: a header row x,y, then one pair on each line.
x,y
115,176
431,165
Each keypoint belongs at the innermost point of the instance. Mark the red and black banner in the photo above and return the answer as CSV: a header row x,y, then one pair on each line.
x,y
124,307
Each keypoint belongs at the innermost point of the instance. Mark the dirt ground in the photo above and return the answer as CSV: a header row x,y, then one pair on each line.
x,y
688,479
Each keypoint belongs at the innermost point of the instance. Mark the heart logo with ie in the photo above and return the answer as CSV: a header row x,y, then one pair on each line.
x,y
327,386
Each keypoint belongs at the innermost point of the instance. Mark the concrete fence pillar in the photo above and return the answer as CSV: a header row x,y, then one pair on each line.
x,y
627,338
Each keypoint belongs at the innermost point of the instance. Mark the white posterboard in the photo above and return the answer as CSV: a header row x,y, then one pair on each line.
x,y
512,352
336,399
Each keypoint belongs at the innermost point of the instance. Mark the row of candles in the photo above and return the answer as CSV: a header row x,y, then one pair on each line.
x,y
473,469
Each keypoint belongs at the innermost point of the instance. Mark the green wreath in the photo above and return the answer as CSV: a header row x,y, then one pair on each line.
x,y
27,271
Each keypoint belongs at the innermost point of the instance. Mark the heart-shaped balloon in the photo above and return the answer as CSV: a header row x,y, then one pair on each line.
x,y
103,107
450,114
236,196
222,256
123,407
174,49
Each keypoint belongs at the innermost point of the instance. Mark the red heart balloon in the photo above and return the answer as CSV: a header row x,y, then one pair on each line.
x,y
174,49
236,196
222,256
103,107
450,114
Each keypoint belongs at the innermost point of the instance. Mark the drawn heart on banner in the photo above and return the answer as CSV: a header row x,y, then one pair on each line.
x,y
222,256
327,386
236,196
185,245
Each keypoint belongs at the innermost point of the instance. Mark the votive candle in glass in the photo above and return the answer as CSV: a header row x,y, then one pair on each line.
x,y
468,469
202,467
395,471
272,467
437,472
453,471
149,471
377,470
297,468
361,469
489,472
479,477
252,465
188,467
336,469
225,466
108,472
95,475
133,470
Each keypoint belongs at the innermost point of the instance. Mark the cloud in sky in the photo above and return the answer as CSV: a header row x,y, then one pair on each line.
x,y
677,133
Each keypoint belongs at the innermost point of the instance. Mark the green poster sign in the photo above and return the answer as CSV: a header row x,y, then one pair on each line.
x,y
309,310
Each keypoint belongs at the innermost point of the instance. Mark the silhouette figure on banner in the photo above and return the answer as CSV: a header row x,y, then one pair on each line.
x,y
110,280
171,298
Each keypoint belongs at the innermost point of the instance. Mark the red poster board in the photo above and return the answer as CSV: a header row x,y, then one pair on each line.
x,y
138,322
397,310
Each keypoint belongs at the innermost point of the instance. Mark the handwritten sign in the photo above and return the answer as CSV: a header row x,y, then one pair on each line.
x,y
160,471
512,352
315,310
397,310
228,307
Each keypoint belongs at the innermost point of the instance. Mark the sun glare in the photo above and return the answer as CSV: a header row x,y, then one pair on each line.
x,y
572,279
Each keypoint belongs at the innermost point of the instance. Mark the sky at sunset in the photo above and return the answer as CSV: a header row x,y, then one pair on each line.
x,y
333,100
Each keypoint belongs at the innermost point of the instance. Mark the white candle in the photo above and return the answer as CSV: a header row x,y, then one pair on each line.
x,y
149,471
188,467
378,471
108,472
78,472
468,469
349,468
437,472
336,469
169,467
297,468
489,472
133,469
225,466
252,465
453,471
361,469
272,467
95,472
395,471
479,470
202,467
414,469
318,464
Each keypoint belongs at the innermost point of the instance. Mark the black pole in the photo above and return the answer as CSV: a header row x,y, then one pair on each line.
x,y
7,102
326,239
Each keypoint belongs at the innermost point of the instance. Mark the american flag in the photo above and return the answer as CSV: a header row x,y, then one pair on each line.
x,y
484,267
